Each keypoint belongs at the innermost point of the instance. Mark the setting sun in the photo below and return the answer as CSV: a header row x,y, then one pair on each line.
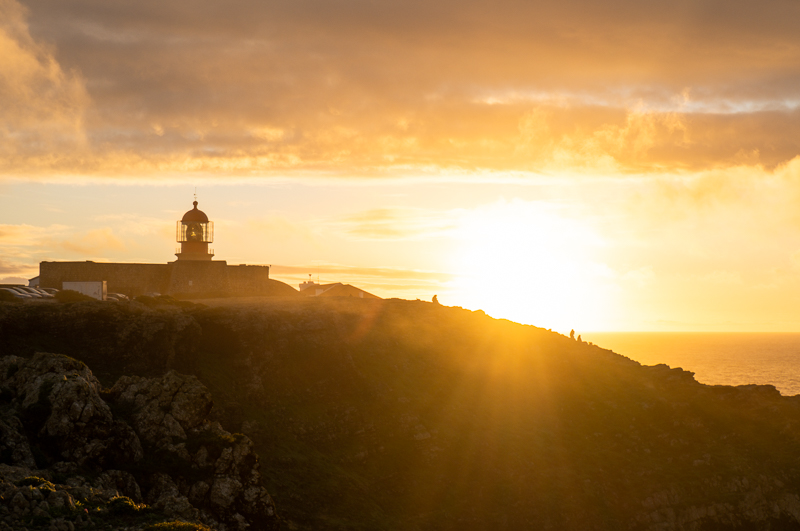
x,y
524,261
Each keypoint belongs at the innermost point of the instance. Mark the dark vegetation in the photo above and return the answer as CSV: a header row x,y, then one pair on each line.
x,y
371,414
68,295
8,297
163,300
119,512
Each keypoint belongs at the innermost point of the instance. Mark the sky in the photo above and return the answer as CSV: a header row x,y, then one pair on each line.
x,y
619,165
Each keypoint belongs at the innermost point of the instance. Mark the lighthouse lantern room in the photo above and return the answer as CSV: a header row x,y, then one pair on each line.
x,y
194,233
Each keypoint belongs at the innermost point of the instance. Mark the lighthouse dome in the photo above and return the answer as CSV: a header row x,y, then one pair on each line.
x,y
195,215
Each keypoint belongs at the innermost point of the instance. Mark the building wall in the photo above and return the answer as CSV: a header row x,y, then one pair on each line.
x,y
248,279
194,276
181,276
131,279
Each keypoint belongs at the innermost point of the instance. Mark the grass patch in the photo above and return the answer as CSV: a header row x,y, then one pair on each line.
x,y
123,506
37,482
177,526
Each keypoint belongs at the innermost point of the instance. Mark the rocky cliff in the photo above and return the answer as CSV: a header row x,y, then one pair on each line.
x,y
387,415
77,455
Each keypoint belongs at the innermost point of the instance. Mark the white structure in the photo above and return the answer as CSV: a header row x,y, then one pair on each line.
x,y
95,290
307,284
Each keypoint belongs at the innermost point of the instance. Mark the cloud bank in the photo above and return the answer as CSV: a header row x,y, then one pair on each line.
x,y
290,87
42,109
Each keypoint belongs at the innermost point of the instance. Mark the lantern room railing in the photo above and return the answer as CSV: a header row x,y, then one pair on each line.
x,y
178,250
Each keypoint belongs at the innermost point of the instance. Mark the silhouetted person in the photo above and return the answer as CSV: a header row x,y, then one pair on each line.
x,y
572,334
579,339
435,299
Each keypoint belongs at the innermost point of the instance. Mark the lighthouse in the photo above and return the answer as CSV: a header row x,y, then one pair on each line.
x,y
194,233
194,273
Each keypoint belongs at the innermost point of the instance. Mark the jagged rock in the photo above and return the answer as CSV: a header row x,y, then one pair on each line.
x,y
119,483
19,504
197,492
164,495
224,491
164,407
59,397
170,415
60,499
14,448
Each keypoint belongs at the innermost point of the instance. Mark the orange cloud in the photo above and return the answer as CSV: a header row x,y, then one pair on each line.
x,y
27,242
397,224
92,243
395,88
41,118
14,268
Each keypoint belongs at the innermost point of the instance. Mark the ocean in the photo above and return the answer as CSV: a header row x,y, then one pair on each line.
x,y
715,358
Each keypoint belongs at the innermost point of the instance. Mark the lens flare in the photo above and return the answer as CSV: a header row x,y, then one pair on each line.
x,y
523,261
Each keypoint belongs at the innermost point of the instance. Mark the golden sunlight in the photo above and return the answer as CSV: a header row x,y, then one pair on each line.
x,y
523,261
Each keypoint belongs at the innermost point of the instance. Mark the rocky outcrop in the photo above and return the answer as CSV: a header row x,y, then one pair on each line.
x,y
212,469
58,400
146,441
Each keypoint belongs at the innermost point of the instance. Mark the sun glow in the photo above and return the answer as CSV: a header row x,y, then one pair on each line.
x,y
523,261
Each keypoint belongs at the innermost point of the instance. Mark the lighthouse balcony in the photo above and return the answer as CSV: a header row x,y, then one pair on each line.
x,y
179,251
201,255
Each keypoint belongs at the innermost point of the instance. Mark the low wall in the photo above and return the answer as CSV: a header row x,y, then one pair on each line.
x,y
248,279
130,279
195,276
181,276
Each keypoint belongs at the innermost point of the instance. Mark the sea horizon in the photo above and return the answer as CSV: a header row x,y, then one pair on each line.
x,y
716,358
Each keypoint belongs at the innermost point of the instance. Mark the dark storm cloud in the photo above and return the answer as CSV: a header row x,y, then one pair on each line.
x,y
253,87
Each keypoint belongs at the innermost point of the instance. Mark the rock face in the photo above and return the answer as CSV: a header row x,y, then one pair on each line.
x,y
164,408
147,439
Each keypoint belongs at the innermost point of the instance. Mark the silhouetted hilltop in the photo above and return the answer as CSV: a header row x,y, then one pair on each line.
x,y
393,414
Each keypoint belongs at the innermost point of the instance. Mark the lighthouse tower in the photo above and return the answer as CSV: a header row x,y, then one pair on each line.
x,y
194,233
